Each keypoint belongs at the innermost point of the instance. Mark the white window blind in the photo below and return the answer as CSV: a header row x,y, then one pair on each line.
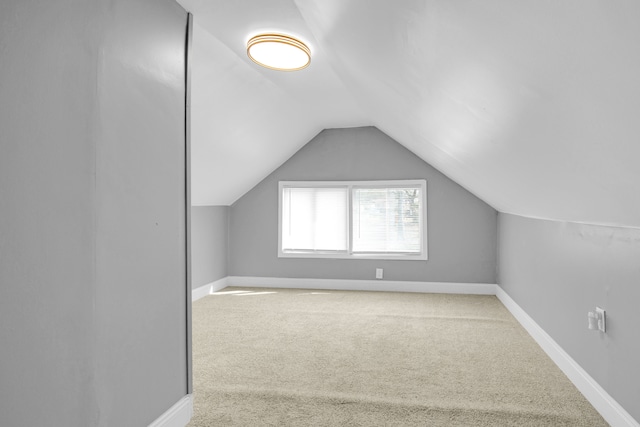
x,y
353,219
314,219
386,220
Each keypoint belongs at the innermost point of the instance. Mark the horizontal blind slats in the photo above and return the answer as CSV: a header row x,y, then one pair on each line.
x,y
386,220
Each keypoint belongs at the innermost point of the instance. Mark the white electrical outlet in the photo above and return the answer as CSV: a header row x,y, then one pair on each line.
x,y
378,273
601,315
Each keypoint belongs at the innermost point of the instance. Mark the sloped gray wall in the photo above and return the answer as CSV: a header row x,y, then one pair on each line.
x,y
461,227
558,272
209,244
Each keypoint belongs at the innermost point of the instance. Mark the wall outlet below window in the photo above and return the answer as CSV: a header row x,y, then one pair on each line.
x,y
378,273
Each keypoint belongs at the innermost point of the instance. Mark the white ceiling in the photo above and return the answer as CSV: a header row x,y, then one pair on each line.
x,y
534,106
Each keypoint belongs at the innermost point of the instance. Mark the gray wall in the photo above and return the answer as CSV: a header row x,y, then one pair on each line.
x,y
461,228
92,226
48,65
141,293
558,271
209,244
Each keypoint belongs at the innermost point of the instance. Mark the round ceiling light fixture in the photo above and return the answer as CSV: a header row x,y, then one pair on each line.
x,y
278,52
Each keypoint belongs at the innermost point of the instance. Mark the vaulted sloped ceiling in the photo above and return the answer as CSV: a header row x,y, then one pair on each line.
x,y
248,120
534,106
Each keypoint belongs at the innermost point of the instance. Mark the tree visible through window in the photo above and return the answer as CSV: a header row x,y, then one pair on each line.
x,y
374,219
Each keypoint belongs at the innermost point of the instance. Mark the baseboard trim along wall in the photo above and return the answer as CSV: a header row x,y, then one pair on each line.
x,y
363,285
610,410
178,415
209,288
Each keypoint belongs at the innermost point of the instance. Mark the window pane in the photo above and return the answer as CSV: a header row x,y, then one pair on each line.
x,y
314,219
386,220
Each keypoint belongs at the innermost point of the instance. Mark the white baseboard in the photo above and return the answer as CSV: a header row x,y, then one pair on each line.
x,y
178,415
610,410
363,285
208,289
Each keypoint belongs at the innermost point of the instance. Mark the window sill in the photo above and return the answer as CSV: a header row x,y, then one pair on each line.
x,y
328,255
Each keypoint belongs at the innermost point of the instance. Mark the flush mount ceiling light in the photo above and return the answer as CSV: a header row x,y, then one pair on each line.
x,y
278,52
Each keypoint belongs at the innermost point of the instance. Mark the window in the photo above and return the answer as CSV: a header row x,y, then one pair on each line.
x,y
353,219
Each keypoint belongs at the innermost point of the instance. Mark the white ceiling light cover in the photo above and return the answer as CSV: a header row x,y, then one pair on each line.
x,y
279,52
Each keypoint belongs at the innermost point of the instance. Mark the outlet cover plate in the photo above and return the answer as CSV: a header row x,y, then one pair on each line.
x,y
602,319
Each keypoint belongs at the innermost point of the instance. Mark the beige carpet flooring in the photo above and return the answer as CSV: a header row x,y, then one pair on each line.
x,y
279,357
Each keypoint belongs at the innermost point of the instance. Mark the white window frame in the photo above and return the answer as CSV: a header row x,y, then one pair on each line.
x,y
348,254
